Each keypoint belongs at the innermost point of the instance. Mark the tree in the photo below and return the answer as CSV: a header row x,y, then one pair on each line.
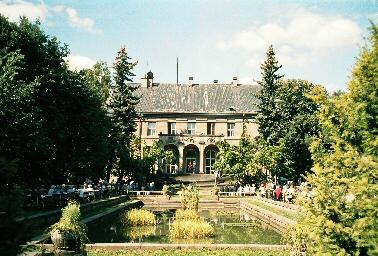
x,y
286,120
296,102
121,109
237,160
342,217
269,117
52,124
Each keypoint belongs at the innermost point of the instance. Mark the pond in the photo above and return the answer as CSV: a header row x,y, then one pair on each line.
x,y
230,228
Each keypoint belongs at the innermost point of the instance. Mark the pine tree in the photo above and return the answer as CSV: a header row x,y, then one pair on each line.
x,y
121,104
269,117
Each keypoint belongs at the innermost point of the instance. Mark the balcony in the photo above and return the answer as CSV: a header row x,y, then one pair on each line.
x,y
184,138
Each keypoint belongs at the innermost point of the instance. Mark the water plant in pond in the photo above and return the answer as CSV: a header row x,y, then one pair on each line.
x,y
138,232
190,229
187,215
189,197
69,232
138,217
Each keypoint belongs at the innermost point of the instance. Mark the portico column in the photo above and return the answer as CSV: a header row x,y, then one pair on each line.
x,y
181,158
201,157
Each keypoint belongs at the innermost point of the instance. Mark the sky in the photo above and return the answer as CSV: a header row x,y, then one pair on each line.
x,y
213,39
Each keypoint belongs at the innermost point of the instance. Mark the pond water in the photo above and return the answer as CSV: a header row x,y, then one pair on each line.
x,y
230,228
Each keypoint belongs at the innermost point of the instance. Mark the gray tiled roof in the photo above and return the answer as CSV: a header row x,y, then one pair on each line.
x,y
200,98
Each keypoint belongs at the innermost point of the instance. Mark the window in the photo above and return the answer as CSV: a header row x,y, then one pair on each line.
x,y
210,128
231,129
191,128
171,128
210,160
151,128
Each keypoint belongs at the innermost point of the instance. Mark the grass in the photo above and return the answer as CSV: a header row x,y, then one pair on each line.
x,y
188,252
187,215
296,216
138,217
189,229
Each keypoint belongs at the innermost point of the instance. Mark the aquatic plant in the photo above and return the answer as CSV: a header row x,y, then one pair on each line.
x,y
186,228
138,217
189,196
187,215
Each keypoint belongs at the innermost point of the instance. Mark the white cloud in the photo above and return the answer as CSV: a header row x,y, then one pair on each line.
x,y
83,23
247,80
58,8
77,62
298,38
373,17
14,9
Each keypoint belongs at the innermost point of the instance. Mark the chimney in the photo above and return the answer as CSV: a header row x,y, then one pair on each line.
x,y
147,80
235,81
190,81
215,81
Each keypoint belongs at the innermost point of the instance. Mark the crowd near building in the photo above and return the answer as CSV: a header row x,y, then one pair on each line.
x,y
191,118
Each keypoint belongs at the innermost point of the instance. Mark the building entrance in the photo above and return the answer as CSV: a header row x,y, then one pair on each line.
x,y
191,154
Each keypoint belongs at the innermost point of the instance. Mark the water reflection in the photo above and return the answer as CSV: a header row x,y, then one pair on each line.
x,y
230,227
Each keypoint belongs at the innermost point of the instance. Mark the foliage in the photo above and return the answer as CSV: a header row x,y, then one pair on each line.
x,y
138,217
166,190
189,196
70,223
342,217
12,233
190,228
237,161
215,190
286,120
269,116
122,113
136,233
52,125
156,154
187,215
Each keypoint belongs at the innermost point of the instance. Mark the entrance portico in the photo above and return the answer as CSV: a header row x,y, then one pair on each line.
x,y
195,153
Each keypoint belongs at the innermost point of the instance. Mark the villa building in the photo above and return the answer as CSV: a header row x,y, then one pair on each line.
x,y
191,118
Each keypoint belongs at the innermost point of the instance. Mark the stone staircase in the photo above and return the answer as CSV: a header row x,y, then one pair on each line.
x,y
204,182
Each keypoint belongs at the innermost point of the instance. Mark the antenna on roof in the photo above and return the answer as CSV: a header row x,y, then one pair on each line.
x,y
177,71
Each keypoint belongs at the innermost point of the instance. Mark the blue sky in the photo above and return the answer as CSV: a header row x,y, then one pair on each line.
x,y
219,39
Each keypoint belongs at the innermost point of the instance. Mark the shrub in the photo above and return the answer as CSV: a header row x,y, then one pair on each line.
x,y
166,190
138,217
188,229
215,190
70,224
187,215
189,197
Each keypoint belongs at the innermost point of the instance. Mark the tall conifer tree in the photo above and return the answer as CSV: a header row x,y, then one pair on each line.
x,y
268,117
122,102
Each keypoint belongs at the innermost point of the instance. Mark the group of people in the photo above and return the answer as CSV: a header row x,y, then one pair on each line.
x,y
287,193
59,195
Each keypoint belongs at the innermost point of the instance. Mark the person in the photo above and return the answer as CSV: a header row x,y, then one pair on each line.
x,y
262,190
278,192
253,189
194,166
190,167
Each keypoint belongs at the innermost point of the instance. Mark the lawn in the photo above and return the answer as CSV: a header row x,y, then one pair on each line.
x,y
296,216
187,252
